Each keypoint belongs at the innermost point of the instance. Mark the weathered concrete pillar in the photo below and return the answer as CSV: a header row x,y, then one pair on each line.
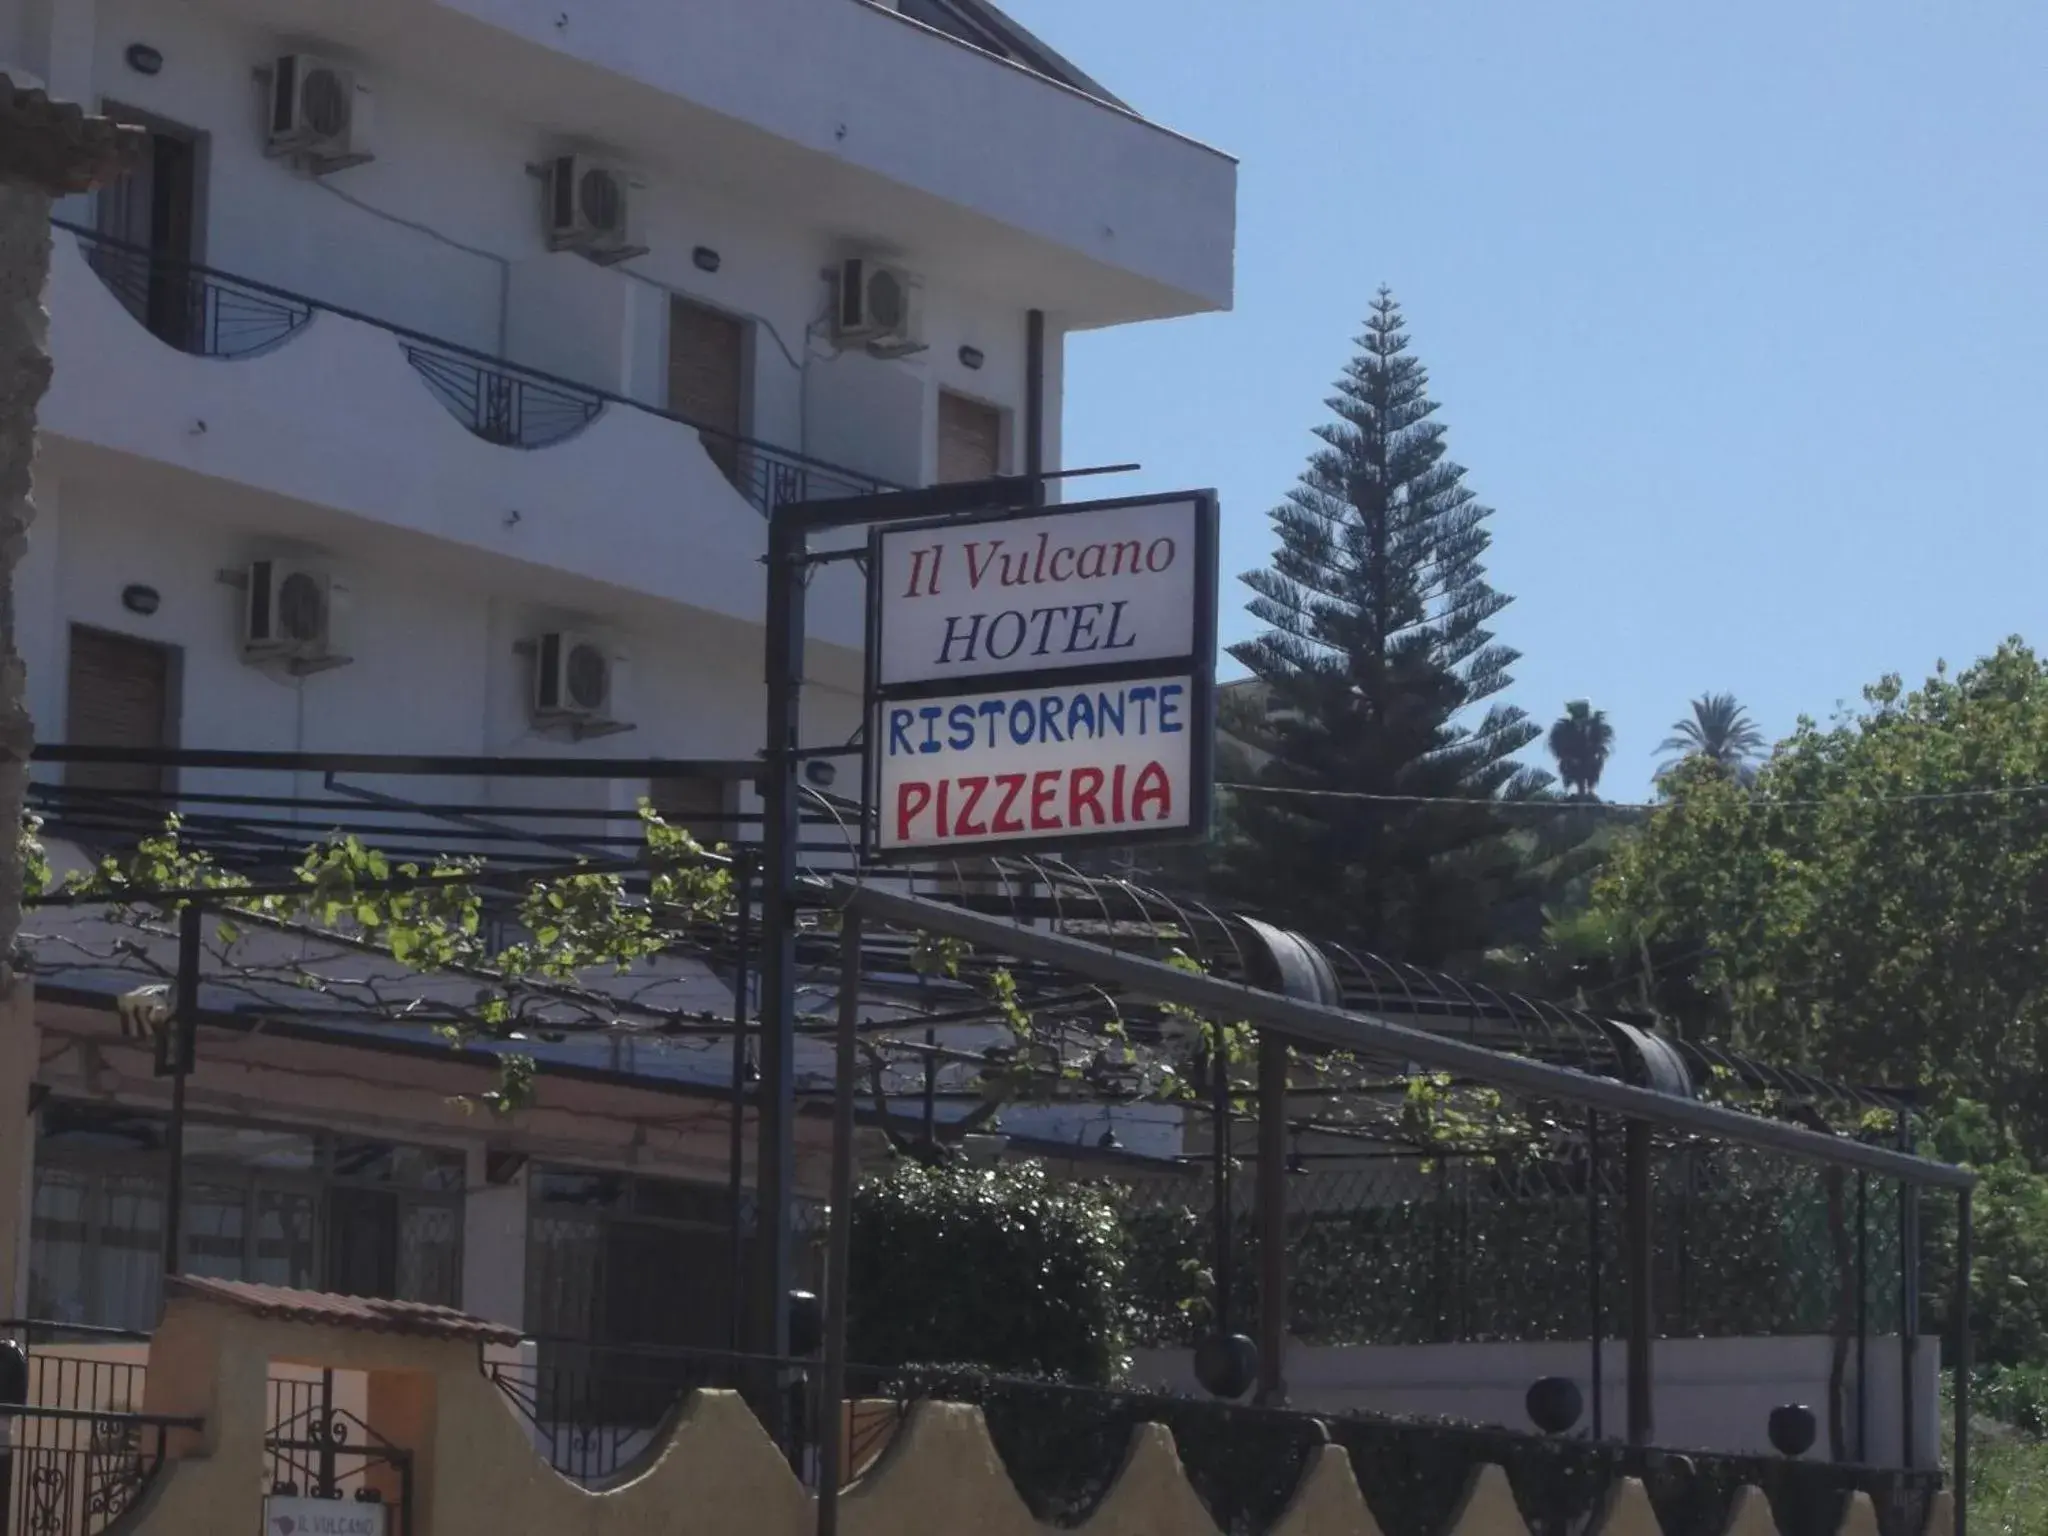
x,y
47,149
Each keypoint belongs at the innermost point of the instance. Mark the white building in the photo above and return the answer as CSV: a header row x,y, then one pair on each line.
x,y
431,329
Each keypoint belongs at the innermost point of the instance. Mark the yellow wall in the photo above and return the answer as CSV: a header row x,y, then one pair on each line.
x,y
715,1473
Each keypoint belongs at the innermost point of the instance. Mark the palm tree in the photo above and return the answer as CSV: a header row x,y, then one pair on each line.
x,y
1720,730
1580,741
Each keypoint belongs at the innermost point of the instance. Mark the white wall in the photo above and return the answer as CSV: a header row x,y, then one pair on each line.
x,y
336,421
912,108
1708,1394
454,245
493,1244
436,668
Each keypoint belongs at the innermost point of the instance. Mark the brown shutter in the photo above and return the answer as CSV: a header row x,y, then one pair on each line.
x,y
970,439
707,357
118,695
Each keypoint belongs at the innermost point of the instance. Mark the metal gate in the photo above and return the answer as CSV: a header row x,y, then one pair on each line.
x,y
317,1450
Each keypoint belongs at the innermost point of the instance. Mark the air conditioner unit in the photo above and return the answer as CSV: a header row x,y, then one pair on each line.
x,y
318,113
879,306
589,209
288,615
572,679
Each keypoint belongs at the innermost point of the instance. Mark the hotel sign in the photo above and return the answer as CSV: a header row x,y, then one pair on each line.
x,y
288,1516
1043,679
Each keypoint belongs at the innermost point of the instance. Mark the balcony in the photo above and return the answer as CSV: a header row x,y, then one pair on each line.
x,y
268,390
208,313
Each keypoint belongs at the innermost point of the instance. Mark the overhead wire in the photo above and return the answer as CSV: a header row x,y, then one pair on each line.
x,y
1632,807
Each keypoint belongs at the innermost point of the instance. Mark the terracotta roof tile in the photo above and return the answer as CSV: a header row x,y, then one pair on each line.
x,y
364,1312
55,145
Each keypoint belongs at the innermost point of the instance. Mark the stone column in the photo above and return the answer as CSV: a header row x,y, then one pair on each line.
x,y
47,149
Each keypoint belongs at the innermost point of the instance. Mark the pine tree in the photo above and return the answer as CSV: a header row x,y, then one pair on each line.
x,y
1376,651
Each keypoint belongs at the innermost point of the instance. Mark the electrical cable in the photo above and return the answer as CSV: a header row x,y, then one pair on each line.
x,y
674,292
504,263
1629,807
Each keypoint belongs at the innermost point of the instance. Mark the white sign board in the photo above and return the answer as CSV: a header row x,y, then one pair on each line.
x,y
1119,583
1048,764
322,1517
1041,679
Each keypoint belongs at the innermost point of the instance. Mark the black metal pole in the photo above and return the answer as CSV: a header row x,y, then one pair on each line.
x,y
1961,1458
831,1410
1909,1297
743,941
184,1028
1638,1150
1862,1317
14,1393
1219,1105
1597,1307
1272,1187
1034,401
931,1088
775,1159
324,1433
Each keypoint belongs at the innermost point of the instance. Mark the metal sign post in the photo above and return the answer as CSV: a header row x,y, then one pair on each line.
x,y
1069,656
790,526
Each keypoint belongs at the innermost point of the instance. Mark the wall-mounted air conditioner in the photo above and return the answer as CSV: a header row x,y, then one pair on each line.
x,y
877,306
573,683
588,209
288,612
319,113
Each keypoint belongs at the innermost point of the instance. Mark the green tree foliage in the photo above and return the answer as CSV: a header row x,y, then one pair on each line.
x,y
1580,741
1872,906
996,1267
1718,731
1376,652
2009,1257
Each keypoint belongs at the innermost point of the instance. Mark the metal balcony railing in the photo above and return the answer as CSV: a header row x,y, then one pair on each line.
x,y
499,405
209,313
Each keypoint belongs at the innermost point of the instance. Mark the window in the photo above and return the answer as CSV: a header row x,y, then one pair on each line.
x,y
280,1207
118,693
700,807
614,1259
707,372
153,211
970,439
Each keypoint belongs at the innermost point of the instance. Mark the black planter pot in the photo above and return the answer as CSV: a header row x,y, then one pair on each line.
x,y
1793,1429
1226,1364
1554,1404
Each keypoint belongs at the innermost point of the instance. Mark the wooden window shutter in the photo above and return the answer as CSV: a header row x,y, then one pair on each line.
x,y
118,694
970,439
707,367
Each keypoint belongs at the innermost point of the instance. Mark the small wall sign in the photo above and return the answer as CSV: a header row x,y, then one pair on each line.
x,y
288,1516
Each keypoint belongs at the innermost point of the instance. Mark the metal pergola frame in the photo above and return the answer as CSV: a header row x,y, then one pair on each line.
x,y
1284,1020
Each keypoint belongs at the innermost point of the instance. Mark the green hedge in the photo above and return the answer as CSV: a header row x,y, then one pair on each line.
x,y
1757,1257
1000,1266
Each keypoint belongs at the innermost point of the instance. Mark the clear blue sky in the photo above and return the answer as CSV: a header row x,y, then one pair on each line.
x,y
1738,314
